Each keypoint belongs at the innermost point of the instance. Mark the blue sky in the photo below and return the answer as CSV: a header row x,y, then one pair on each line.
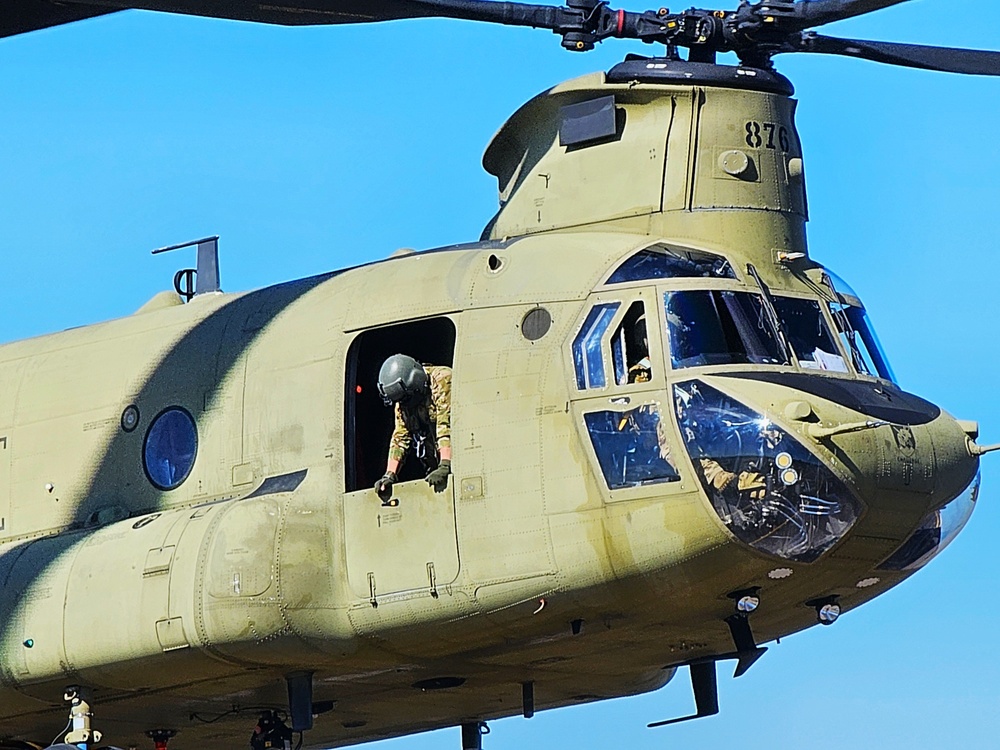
x,y
312,149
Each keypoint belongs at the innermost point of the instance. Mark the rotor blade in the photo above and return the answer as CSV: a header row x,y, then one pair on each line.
x,y
820,12
973,62
322,12
31,15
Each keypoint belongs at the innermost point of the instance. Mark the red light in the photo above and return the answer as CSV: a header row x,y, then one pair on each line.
x,y
357,388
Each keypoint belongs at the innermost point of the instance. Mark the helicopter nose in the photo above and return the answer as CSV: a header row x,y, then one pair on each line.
x,y
798,469
933,460
905,473
956,489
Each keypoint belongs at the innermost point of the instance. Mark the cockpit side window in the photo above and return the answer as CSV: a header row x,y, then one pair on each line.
x,y
660,262
809,335
714,327
588,359
630,348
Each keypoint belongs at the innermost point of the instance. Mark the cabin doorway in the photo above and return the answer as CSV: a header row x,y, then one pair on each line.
x,y
409,549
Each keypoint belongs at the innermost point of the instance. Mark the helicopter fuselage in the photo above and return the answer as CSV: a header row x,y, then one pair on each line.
x,y
660,403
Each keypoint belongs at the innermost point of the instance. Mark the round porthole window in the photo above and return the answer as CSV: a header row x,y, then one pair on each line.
x,y
170,448
536,324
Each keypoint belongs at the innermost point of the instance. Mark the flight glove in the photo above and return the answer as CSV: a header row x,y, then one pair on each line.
x,y
754,483
438,479
384,485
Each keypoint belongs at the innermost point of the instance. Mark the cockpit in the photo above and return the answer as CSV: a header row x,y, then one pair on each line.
x,y
713,319
666,317
730,326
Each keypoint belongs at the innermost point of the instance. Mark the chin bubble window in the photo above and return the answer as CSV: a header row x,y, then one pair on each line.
x,y
768,489
171,445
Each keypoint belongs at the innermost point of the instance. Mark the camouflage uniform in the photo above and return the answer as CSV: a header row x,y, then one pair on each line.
x,y
426,425
640,372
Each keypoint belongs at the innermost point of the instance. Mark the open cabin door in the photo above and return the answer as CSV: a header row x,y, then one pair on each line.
x,y
410,549
400,552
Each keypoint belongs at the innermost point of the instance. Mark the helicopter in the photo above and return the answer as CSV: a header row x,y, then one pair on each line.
x,y
99,714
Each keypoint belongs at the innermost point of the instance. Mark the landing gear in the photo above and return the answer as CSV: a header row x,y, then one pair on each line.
x,y
81,733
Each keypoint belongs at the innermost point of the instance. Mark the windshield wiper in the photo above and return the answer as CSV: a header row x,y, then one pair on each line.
x,y
771,314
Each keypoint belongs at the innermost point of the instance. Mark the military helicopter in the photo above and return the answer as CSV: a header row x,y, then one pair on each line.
x,y
101,524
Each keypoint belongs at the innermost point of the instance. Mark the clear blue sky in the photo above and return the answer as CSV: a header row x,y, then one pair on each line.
x,y
311,149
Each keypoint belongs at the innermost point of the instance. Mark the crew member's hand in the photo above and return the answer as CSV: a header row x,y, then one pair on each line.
x,y
754,483
438,479
384,485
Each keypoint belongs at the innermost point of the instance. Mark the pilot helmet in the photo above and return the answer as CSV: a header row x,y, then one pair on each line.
x,y
400,379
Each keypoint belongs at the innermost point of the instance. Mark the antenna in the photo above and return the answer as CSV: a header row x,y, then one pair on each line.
x,y
204,278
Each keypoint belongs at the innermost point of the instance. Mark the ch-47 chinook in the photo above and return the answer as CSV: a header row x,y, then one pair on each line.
x,y
692,411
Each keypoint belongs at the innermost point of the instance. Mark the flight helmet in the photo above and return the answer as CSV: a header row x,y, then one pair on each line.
x,y
400,379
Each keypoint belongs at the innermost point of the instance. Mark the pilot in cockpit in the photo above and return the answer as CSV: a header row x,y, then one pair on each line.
x,y
640,368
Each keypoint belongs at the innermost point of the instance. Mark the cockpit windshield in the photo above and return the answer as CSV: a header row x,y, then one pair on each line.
x,y
808,334
715,327
856,330
858,335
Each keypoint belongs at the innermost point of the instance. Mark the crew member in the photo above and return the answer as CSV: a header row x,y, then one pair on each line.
x,y
422,398
641,370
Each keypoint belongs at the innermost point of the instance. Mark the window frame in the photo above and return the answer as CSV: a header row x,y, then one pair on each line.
x,y
624,298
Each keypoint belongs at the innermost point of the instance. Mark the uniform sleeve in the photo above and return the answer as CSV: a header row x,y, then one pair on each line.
x,y
400,441
441,395
715,475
